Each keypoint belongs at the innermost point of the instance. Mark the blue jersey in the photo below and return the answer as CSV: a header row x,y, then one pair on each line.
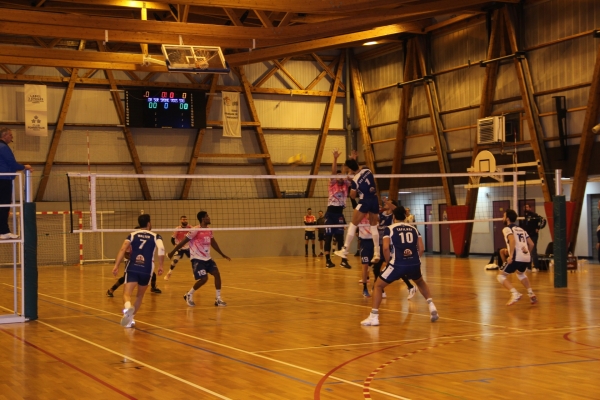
x,y
143,243
404,244
385,220
364,184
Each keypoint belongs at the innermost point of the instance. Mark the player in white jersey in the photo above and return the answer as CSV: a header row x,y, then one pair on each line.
x,y
363,187
201,240
336,202
402,249
177,237
138,271
519,246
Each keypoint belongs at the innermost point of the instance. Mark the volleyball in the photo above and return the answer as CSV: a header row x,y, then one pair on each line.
x,y
297,159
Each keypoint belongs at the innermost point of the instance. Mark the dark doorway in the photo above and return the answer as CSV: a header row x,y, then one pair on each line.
x,y
499,208
593,222
444,231
428,229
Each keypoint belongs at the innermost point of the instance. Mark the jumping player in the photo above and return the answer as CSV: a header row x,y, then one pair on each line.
x,y
177,237
402,249
139,269
201,240
336,202
363,186
519,246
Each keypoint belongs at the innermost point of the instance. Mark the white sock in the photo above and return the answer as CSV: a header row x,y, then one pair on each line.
x,y
375,311
218,293
127,305
192,290
375,234
350,235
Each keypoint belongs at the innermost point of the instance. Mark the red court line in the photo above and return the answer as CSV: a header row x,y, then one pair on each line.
x,y
72,366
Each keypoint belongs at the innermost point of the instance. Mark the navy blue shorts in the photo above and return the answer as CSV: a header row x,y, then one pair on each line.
x,y
392,273
367,250
309,235
141,278
368,205
201,267
520,266
321,236
334,219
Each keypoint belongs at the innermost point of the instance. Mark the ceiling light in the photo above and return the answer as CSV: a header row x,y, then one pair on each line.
x,y
370,43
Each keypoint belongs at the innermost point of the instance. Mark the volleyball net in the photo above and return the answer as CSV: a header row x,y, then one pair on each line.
x,y
112,202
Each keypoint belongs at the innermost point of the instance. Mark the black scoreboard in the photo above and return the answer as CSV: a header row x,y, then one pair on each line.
x,y
165,108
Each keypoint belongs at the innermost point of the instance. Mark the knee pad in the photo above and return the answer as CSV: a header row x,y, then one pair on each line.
x,y
501,278
521,276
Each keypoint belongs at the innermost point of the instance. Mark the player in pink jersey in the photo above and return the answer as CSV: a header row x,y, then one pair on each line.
x,y
200,242
177,237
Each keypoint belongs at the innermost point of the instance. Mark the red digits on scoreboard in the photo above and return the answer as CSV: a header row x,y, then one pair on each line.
x,y
172,95
163,95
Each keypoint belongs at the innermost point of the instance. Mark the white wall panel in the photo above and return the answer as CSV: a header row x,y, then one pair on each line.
x,y
92,106
29,148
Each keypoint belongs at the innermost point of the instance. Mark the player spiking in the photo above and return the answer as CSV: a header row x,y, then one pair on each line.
x,y
177,237
200,242
139,269
363,186
336,202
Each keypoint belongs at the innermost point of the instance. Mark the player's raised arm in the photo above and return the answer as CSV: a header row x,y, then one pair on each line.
x,y
334,167
178,246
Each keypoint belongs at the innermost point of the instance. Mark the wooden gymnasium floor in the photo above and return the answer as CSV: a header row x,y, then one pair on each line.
x,y
291,330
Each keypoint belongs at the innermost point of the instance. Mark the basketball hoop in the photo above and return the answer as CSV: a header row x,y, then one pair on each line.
x,y
484,162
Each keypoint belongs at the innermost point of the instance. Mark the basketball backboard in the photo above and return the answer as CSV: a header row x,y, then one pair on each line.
x,y
195,59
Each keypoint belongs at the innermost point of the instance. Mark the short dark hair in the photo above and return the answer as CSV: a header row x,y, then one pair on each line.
x,y
352,164
183,216
309,209
399,213
511,215
144,220
339,171
201,214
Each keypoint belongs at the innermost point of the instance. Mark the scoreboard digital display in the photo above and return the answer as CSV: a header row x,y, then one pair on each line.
x,y
165,108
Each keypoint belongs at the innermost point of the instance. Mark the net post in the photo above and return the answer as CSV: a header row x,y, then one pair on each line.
x,y
93,222
29,272
81,239
515,192
558,181
560,242
70,200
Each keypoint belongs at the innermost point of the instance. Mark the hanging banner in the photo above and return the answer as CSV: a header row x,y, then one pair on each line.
x,y
232,125
36,110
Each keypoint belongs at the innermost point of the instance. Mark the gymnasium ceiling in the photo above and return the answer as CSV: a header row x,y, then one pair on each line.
x,y
114,34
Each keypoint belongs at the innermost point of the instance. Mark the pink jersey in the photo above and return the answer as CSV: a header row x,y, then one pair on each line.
x,y
338,193
179,235
200,244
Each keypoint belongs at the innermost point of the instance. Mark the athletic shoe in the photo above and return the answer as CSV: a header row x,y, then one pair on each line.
x,y
189,299
514,298
366,293
411,292
345,264
155,290
7,236
361,281
127,316
314,254
371,320
219,302
491,267
532,298
109,293
383,295
434,315
534,270
168,276
341,253
131,324
321,254
329,264
503,266
375,259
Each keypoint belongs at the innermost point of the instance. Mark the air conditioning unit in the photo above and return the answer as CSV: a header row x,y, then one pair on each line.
x,y
491,130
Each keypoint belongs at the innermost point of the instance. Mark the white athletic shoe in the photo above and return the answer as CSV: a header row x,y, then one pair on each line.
x,y
514,297
341,253
371,320
127,316
532,298
189,299
8,236
434,315
168,275
131,324
220,303
411,292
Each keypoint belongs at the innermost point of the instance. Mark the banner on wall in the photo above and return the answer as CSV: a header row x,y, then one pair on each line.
x,y
232,125
36,110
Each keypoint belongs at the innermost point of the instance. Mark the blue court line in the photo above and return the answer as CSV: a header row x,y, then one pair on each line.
x,y
192,346
473,370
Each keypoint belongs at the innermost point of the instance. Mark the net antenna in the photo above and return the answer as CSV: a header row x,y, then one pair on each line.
x,y
485,162
195,59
